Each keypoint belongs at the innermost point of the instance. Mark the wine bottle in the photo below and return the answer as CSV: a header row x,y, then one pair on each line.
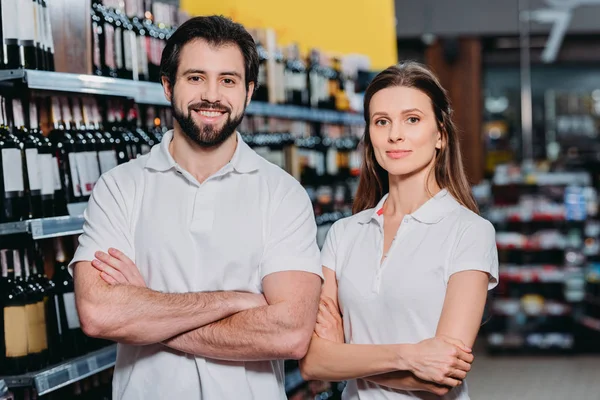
x,y
48,38
65,153
26,28
37,340
295,80
10,34
15,205
29,146
97,39
13,350
37,34
73,338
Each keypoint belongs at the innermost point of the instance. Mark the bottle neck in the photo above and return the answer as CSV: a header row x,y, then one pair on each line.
x,y
3,264
17,267
60,251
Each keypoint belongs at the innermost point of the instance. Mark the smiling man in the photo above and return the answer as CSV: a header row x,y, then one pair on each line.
x,y
212,276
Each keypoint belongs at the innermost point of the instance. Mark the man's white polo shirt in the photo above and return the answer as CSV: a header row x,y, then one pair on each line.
x,y
401,299
248,220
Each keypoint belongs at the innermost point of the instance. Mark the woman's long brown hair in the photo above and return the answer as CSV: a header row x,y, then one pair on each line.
x,y
448,169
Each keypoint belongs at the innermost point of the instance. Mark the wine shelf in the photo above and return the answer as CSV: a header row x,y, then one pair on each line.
x,y
45,228
58,376
152,93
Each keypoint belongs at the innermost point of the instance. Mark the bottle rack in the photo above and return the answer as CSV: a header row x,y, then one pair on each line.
x,y
57,376
152,93
546,234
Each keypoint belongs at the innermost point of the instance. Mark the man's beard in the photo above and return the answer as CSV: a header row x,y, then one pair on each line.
x,y
207,136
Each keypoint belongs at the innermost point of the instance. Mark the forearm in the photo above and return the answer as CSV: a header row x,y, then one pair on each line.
x,y
136,315
262,333
331,361
404,380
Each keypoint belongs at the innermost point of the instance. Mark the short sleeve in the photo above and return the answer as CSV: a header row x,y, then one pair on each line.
x,y
476,251
291,243
105,223
330,246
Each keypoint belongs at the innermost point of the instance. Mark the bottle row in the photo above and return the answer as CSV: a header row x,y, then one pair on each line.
x,y
128,37
42,174
123,33
26,35
40,324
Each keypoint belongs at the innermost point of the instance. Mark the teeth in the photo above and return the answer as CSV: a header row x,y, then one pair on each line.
x,y
210,114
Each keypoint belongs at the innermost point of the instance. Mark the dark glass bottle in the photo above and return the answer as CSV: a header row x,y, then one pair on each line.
x,y
10,34
13,319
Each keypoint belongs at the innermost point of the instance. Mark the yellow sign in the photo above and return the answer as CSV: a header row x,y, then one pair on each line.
x,y
334,26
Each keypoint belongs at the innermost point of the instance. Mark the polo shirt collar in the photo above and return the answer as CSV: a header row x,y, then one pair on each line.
x,y
432,212
244,160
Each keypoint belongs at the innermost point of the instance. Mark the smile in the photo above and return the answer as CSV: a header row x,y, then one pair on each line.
x,y
210,116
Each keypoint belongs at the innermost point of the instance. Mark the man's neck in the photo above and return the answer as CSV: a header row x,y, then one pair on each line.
x,y
198,161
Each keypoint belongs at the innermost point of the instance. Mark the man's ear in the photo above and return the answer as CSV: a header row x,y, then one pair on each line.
x,y
251,86
167,88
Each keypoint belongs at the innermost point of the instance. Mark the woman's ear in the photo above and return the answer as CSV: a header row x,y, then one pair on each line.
x,y
439,144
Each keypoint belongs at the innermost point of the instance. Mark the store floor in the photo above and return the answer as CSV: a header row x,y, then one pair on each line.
x,y
535,378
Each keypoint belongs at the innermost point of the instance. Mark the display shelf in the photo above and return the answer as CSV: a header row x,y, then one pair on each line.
x,y
45,228
152,93
66,373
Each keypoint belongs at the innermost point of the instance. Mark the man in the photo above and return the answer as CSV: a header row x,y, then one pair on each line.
x,y
227,276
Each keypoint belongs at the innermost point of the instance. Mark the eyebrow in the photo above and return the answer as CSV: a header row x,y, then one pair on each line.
x,y
407,111
202,72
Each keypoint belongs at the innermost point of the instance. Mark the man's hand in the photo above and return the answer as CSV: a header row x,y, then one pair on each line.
x,y
329,321
117,269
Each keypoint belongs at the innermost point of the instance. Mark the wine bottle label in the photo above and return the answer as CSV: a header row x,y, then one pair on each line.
x,y
332,161
47,174
109,46
118,47
12,170
15,331
142,56
85,183
108,160
93,167
35,342
26,20
36,22
96,31
10,14
48,29
42,328
130,49
75,182
55,174
33,169
71,311
33,115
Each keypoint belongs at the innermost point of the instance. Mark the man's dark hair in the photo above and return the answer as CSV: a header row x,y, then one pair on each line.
x,y
217,31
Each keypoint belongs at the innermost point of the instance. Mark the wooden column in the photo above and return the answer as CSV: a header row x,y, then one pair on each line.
x,y
457,63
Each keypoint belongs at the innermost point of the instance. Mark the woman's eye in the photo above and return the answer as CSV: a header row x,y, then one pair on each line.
x,y
413,120
381,122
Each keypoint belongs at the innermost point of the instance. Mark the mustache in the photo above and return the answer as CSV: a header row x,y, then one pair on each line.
x,y
204,105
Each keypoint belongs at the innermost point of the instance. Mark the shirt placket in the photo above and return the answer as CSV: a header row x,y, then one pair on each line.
x,y
381,266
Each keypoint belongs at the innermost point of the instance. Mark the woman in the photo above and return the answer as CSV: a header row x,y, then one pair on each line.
x,y
410,270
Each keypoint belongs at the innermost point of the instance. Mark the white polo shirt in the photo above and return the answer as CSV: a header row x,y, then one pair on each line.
x,y
248,220
401,299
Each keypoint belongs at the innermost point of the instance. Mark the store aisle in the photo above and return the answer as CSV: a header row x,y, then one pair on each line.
x,y
535,378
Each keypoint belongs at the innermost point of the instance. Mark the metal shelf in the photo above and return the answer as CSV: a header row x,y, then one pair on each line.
x,y
152,93
45,228
56,377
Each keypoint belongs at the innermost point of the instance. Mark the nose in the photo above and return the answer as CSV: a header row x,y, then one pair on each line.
x,y
211,93
395,133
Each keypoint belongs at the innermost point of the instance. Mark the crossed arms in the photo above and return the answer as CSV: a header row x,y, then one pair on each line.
x,y
219,325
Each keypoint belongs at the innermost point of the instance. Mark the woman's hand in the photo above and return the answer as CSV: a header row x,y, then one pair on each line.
x,y
329,321
441,360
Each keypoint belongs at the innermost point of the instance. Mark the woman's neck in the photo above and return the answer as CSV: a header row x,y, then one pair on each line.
x,y
408,193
